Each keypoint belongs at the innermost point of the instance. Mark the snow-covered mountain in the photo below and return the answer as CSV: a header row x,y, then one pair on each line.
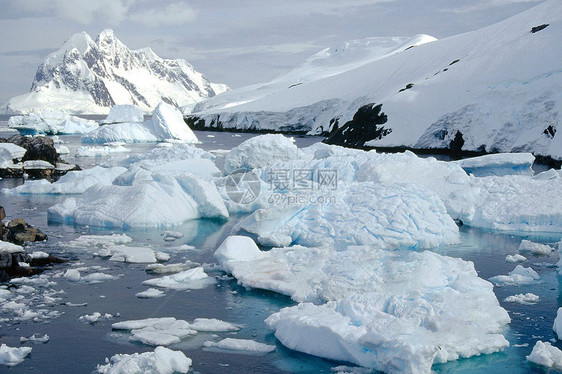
x,y
498,88
87,76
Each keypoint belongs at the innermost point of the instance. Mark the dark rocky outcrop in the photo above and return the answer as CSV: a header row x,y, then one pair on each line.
x,y
365,126
38,148
18,231
539,28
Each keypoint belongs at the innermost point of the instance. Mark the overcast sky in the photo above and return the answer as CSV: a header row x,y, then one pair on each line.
x,y
237,42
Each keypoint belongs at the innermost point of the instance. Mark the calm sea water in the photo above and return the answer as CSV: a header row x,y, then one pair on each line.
x,y
77,347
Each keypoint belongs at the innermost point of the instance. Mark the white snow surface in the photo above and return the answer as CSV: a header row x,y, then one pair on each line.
x,y
161,361
11,356
500,86
368,301
9,152
545,354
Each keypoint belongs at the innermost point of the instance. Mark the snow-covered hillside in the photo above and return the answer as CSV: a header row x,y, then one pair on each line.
x,y
87,76
495,89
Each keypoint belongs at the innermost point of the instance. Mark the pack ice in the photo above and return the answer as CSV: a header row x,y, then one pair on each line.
x,y
394,311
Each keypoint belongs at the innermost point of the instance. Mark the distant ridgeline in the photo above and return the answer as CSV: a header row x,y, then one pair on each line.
x,y
496,89
89,77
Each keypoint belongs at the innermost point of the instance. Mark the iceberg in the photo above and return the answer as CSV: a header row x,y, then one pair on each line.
x,y
51,122
557,326
167,124
123,113
519,276
384,215
259,152
161,361
395,311
161,202
499,164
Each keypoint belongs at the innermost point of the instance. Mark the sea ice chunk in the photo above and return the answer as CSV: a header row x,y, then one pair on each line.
x,y
161,361
51,122
557,327
517,277
241,345
167,123
535,248
122,253
12,356
525,299
545,354
195,278
156,331
213,325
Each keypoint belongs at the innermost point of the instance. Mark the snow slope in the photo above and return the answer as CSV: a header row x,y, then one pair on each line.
x,y
87,76
499,86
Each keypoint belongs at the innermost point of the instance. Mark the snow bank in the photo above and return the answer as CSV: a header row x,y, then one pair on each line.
x,y
73,182
12,356
161,361
241,345
259,152
51,122
167,124
545,354
499,164
384,215
124,113
164,201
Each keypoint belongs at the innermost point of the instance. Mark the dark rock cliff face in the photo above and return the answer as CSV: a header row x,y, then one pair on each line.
x,y
366,125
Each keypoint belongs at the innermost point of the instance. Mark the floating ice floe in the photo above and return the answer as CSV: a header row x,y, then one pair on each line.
x,y
525,299
395,311
10,356
545,354
73,182
35,339
161,361
51,122
242,345
499,164
167,124
151,293
535,248
170,268
94,317
519,276
213,325
97,241
515,258
259,152
195,278
162,202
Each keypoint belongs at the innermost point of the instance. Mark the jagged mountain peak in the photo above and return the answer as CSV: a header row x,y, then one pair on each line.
x,y
87,76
